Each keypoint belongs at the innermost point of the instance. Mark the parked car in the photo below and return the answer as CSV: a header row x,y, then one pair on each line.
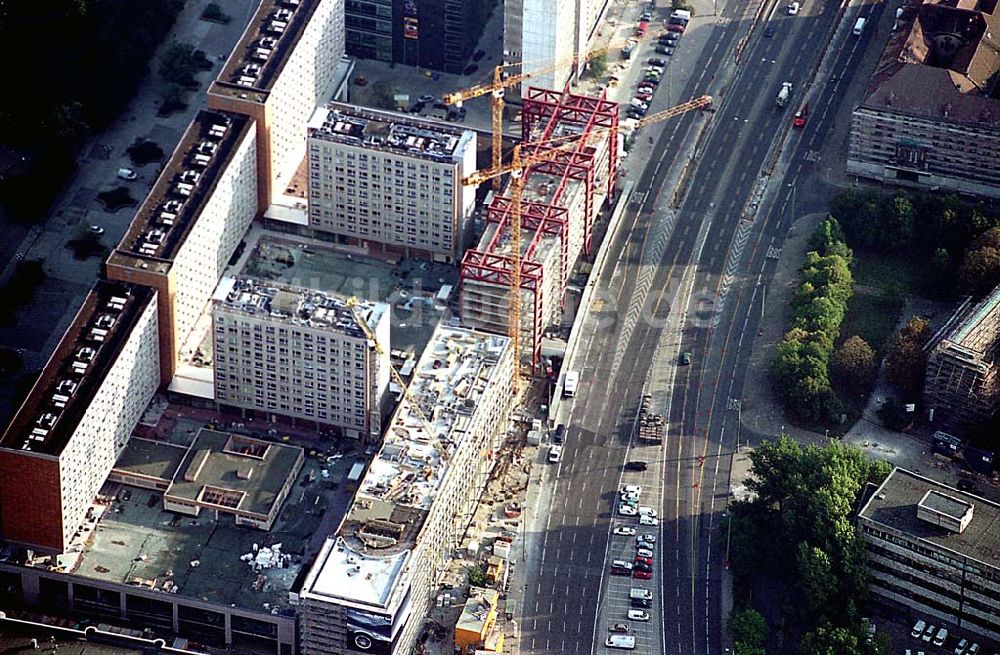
x,y
95,229
559,434
648,561
649,538
641,551
127,174
961,646
635,465
929,633
555,454
966,485
478,54
624,531
685,359
918,629
645,96
941,637
642,575
648,520
793,8
627,510
618,627
632,489
641,603
638,615
676,27
664,50
657,62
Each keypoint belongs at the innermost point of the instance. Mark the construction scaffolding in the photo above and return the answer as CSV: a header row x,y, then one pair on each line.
x,y
559,207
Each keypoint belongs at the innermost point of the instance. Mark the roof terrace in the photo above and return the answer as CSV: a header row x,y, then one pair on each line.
x,y
77,368
388,131
168,213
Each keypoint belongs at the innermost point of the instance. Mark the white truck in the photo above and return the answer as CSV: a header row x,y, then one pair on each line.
x,y
571,383
644,594
625,642
784,94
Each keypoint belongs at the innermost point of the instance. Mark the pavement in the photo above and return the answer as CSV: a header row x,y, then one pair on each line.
x,y
41,323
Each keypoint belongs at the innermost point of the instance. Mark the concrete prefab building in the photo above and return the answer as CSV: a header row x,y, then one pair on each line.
x,y
282,350
961,383
373,583
932,551
284,66
64,440
190,224
388,181
559,206
931,115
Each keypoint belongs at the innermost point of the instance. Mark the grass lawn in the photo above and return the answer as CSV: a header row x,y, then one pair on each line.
x,y
890,271
872,318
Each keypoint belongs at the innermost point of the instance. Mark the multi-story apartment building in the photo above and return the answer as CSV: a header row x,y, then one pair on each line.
x,y
373,583
962,383
932,551
435,34
64,440
300,353
189,225
283,67
540,33
385,179
931,115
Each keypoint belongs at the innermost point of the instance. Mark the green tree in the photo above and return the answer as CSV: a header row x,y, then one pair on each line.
x,y
853,365
900,223
829,639
980,268
815,572
893,414
905,361
749,631
598,66
178,64
477,576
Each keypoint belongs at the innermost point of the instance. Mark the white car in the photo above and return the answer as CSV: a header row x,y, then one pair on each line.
x,y
630,497
648,537
632,489
626,510
961,646
555,454
654,69
95,229
648,520
918,629
127,174
647,511
793,8
643,552
638,615
624,530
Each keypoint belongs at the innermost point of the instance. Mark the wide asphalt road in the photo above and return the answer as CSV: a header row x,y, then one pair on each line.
x,y
704,262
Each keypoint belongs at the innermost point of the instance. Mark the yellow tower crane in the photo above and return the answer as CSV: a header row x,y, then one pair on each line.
x,y
530,154
504,77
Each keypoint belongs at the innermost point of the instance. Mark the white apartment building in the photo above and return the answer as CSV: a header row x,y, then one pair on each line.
x,y
66,437
373,583
284,66
282,350
386,179
190,224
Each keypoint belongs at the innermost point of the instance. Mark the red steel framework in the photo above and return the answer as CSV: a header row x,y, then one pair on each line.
x,y
542,112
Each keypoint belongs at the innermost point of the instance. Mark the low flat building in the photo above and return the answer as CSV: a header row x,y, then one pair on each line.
x,y
78,417
283,350
390,181
931,114
374,581
478,619
934,551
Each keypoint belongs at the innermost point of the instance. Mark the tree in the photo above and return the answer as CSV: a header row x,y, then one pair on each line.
x,y
905,362
598,66
980,269
178,64
749,631
893,414
828,639
815,574
899,228
477,576
853,365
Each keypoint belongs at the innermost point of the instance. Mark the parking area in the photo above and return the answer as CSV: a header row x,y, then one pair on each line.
x,y
933,637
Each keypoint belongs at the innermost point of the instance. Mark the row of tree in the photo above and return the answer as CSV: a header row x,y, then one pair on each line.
x,y
799,530
950,233
801,365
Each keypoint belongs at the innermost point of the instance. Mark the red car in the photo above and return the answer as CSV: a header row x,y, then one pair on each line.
x,y
645,96
642,575
676,27
800,116
644,560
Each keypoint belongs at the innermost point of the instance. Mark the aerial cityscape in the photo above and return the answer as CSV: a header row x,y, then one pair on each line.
x,y
458,327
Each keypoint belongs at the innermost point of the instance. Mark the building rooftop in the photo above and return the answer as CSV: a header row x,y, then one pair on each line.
x,y
234,472
405,475
941,63
173,205
477,609
895,506
317,309
263,50
975,318
389,131
75,371
150,459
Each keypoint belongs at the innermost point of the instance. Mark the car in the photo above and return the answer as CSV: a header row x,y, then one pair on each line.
x,y
663,38
685,359
648,537
676,27
127,495
647,511
961,646
127,174
632,489
648,561
639,104
635,465
966,485
618,627
642,551
801,116
478,54
654,69
555,454
559,434
664,50
672,40
918,629
646,15
638,615
470,69
630,498
929,633
973,649
648,520
620,567
793,8
626,510
657,62
635,112
639,574
768,31
941,637
644,96
646,85
624,531
95,229
426,99
641,603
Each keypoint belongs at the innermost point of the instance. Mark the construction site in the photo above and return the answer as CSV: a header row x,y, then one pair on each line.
x,y
562,191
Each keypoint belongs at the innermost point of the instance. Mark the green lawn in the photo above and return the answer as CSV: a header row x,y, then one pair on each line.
x,y
872,318
890,271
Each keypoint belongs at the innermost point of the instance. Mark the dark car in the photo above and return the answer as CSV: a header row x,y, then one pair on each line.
x,y
664,50
769,31
479,54
470,69
559,435
635,465
966,485
685,359
657,62
641,603
676,27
